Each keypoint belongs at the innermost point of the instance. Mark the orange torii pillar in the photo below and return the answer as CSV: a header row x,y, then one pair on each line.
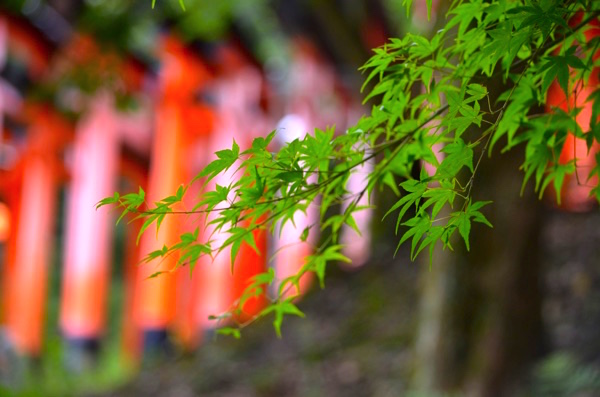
x,y
313,83
290,251
89,232
23,43
312,101
575,194
237,93
216,288
241,99
41,171
6,226
5,222
181,75
101,132
197,123
10,187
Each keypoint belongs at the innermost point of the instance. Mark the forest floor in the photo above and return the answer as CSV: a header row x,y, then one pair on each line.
x,y
358,335
354,341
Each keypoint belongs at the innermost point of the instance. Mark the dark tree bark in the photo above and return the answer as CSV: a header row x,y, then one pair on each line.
x,y
480,323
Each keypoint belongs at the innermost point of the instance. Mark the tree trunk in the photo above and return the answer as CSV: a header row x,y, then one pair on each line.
x,y
480,323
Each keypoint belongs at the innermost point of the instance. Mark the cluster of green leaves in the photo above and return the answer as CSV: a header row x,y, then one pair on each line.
x,y
472,86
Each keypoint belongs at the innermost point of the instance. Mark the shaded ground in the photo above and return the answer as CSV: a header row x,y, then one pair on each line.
x,y
358,335
353,342
572,281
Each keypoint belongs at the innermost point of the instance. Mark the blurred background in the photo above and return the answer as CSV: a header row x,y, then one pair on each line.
x,y
99,96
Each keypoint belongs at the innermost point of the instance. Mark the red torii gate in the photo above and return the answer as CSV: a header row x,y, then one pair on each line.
x,y
237,91
180,119
314,99
34,177
101,132
575,194
40,170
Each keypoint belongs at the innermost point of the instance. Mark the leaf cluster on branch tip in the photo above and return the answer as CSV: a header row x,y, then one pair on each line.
x,y
426,93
